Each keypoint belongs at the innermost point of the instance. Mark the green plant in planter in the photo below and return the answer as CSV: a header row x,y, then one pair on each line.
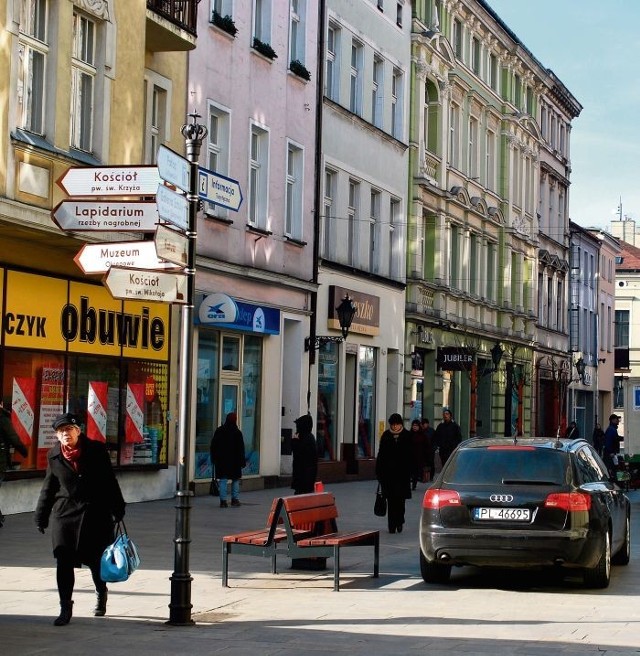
x,y
225,23
299,69
264,49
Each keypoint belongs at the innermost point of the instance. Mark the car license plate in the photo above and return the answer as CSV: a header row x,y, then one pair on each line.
x,y
502,514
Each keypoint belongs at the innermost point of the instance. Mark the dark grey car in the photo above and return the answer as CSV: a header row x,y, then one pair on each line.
x,y
525,503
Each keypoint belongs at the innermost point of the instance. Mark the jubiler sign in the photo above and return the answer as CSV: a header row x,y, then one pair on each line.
x,y
452,358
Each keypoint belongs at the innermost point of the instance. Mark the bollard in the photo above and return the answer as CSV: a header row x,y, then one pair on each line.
x,y
318,486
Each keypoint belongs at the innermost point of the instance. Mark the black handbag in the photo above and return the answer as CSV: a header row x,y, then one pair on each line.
x,y
380,506
214,488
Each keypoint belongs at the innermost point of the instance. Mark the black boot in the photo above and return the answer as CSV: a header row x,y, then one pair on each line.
x,y
101,604
66,611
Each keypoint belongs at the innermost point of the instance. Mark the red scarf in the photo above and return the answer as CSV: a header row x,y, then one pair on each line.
x,y
71,454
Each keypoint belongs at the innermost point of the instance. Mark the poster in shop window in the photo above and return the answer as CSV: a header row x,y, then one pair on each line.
x,y
134,420
51,399
97,411
23,399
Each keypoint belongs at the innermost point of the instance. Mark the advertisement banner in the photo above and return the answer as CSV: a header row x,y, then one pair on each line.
x,y
97,411
51,399
23,401
134,420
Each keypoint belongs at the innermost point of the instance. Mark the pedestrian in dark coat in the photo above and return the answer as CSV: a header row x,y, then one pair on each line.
x,y
429,433
611,447
598,439
228,458
8,438
420,453
305,456
447,436
82,499
393,470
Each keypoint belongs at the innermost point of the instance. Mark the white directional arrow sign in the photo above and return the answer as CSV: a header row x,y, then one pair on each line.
x,y
99,258
218,189
174,168
172,207
110,181
171,245
90,215
142,285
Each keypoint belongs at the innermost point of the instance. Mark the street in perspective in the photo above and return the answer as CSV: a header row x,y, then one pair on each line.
x,y
297,611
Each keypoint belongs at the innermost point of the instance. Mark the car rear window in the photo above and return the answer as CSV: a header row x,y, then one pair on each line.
x,y
497,466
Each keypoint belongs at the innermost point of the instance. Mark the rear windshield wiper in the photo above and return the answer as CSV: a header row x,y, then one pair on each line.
x,y
526,481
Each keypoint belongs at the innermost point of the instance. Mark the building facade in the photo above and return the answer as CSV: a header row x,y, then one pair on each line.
x,y
87,84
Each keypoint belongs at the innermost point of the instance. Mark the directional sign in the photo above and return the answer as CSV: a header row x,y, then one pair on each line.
x,y
140,285
110,181
172,207
174,168
99,258
218,189
90,215
171,245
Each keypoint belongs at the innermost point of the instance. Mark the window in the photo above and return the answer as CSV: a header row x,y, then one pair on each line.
x,y
262,20
472,155
295,184
377,95
222,7
374,222
517,91
33,50
332,82
529,100
355,89
491,271
622,329
457,38
475,55
218,148
454,257
493,72
329,195
258,174
297,37
559,323
83,79
352,220
517,178
397,92
454,135
491,161
157,101
394,238
473,264
399,14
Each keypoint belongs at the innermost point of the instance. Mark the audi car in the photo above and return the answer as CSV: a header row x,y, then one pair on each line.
x,y
525,503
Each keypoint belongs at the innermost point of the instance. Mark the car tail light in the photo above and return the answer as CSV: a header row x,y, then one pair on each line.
x,y
569,501
436,499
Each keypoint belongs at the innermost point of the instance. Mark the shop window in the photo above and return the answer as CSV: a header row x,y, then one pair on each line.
x,y
206,400
327,411
366,401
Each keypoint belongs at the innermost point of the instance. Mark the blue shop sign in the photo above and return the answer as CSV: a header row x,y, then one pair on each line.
x,y
222,311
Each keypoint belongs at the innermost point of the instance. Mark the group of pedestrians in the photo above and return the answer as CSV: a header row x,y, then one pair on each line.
x,y
408,457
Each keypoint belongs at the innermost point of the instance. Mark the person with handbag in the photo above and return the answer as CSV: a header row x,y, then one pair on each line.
x,y
81,498
393,470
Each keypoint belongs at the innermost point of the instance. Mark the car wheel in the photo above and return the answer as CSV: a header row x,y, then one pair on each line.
x,y
600,575
433,572
623,556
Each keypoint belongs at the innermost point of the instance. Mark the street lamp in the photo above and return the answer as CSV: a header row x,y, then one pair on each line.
x,y
346,311
496,355
580,366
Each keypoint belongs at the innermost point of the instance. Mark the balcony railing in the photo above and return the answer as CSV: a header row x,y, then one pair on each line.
x,y
183,13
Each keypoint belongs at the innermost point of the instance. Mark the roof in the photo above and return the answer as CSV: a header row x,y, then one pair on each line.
x,y
630,257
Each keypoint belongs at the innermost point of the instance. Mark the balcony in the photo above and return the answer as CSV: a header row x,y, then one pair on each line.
x,y
429,168
171,25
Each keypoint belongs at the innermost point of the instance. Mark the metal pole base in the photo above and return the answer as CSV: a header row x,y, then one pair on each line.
x,y
180,606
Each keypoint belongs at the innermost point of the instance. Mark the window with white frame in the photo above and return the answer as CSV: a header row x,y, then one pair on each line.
x,y
475,55
355,88
517,177
457,37
493,72
492,264
377,95
541,299
33,50
332,81
397,94
490,154
262,20
222,7
454,256
330,178
399,8
374,224
454,135
394,237
472,154
156,114
353,217
295,185
473,264
218,148
297,30
83,81
258,177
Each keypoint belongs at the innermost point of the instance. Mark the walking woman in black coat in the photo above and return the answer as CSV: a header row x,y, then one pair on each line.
x,y
82,498
393,470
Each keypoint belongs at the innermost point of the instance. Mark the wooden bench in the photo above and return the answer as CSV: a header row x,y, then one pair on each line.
x,y
312,531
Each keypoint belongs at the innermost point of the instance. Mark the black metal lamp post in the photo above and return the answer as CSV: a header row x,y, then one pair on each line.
x,y
496,355
580,366
346,311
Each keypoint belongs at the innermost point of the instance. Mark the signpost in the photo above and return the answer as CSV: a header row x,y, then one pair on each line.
x,y
89,215
172,207
141,285
99,258
218,189
174,168
172,246
110,181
